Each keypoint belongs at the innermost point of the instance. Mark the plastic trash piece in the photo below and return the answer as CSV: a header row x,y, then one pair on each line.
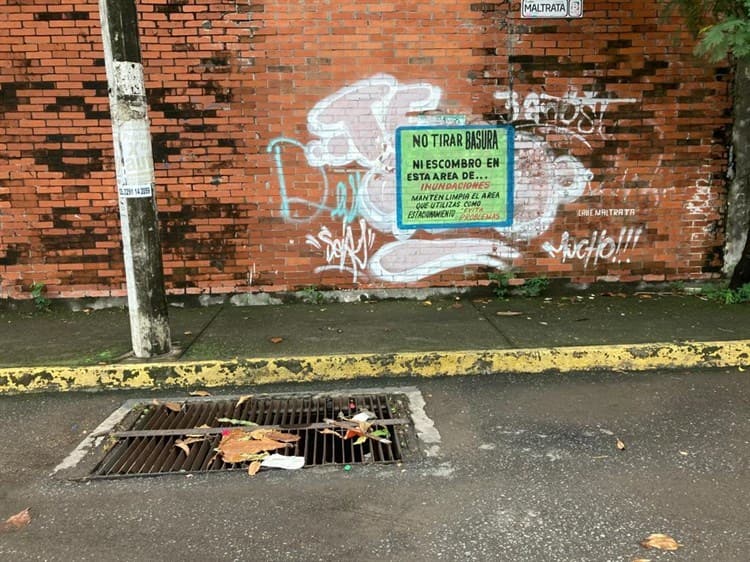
x,y
363,416
281,461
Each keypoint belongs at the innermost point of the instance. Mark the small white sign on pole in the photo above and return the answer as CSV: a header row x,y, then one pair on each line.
x,y
551,9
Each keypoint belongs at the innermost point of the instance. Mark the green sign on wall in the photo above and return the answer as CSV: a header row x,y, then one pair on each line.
x,y
454,177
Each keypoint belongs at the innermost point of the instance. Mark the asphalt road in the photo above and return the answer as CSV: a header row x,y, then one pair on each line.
x,y
527,468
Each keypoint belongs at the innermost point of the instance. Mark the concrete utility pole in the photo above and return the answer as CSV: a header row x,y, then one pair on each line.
x,y
134,165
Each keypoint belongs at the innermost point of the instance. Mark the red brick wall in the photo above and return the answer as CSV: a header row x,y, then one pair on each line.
x,y
273,129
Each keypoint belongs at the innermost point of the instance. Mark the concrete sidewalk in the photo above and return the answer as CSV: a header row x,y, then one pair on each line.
x,y
224,344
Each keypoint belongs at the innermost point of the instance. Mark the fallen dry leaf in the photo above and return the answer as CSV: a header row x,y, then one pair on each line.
x,y
184,444
327,431
642,560
275,435
242,400
239,451
16,522
235,421
508,313
620,445
276,339
661,542
200,393
253,468
426,303
236,445
180,444
173,406
353,433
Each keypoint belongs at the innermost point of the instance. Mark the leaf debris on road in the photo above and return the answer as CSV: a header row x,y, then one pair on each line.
x,y
16,522
660,542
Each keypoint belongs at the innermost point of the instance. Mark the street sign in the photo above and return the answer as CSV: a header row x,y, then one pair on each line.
x,y
551,9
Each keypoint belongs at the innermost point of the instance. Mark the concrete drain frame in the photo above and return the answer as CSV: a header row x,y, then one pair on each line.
x,y
140,437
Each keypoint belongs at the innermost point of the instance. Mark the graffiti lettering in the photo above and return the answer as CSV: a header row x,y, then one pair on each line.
x,y
606,212
349,254
345,206
598,246
570,114
701,203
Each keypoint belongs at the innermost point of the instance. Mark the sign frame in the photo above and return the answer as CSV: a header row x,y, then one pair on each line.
x,y
499,186
573,9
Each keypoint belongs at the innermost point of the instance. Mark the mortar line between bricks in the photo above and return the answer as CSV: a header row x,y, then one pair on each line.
x,y
503,335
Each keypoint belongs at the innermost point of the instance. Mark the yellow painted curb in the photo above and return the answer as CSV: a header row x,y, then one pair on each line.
x,y
636,357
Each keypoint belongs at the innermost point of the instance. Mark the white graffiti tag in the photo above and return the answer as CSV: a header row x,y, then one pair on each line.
x,y
598,246
358,123
570,114
344,253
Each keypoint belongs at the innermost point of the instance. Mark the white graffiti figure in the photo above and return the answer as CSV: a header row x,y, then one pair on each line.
x,y
357,125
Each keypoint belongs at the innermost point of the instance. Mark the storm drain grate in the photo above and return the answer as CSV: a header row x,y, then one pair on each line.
x,y
147,442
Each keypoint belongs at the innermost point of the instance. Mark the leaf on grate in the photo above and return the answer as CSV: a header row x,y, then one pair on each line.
x,y
383,433
253,468
275,435
361,440
237,446
353,433
357,427
235,421
173,406
184,444
242,400
200,393
660,541
16,522
327,431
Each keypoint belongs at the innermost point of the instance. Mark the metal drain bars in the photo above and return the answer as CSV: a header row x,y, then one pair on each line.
x,y
150,435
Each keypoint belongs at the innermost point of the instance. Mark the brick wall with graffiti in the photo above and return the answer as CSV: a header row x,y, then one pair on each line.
x,y
274,127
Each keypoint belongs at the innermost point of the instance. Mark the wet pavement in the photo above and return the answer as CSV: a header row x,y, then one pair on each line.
x,y
527,468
